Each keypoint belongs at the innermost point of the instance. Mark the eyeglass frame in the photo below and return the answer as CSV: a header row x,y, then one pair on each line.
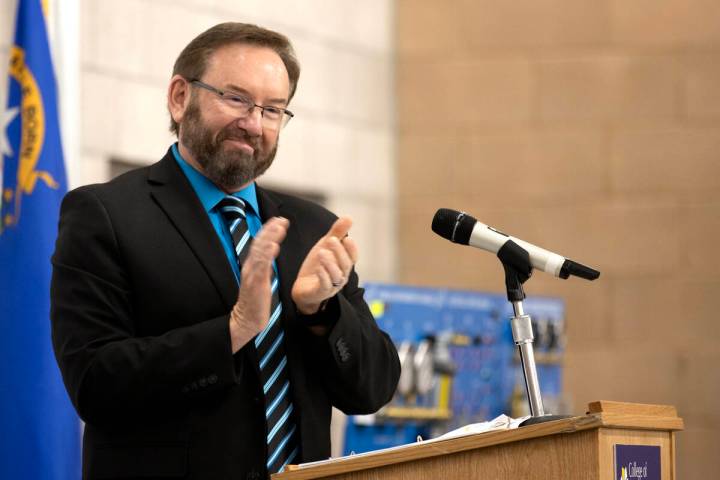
x,y
229,95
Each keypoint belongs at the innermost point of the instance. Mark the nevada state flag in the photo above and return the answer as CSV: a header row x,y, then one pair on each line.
x,y
39,430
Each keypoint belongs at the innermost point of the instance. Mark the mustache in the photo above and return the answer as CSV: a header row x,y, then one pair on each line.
x,y
233,134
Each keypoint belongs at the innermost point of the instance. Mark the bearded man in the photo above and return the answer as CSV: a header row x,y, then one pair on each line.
x,y
205,326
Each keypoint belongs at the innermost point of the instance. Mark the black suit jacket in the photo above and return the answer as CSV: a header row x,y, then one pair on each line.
x,y
141,295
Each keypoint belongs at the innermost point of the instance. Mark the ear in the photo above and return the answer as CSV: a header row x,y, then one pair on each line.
x,y
178,97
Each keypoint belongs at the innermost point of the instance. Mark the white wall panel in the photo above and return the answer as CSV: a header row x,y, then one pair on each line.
x,y
341,145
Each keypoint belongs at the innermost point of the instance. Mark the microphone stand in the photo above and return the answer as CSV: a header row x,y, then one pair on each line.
x,y
516,262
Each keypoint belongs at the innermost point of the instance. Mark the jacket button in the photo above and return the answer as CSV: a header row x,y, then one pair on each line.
x,y
212,379
202,382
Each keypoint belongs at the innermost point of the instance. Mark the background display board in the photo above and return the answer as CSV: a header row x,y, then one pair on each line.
x,y
459,362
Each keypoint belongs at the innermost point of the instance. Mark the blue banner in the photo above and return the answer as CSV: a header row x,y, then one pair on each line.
x,y
39,430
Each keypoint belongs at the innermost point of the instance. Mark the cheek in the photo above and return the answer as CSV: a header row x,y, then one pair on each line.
x,y
269,140
216,121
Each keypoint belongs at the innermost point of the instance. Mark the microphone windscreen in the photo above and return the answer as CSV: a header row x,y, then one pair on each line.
x,y
443,222
453,225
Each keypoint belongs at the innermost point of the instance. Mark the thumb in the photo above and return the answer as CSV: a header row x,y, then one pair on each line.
x,y
340,228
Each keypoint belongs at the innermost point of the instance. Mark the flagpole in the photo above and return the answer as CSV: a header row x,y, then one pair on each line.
x,y
65,35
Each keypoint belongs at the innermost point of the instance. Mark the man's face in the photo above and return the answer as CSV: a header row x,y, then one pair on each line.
x,y
233,151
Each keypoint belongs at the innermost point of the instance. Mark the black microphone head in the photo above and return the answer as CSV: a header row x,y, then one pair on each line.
x,y
443,222
453,225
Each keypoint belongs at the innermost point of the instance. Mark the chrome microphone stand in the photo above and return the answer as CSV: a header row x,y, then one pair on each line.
x,y
516,262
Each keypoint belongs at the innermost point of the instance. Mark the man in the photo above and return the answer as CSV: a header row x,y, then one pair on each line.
x,y
190,349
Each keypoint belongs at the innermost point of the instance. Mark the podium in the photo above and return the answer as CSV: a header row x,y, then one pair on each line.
x,y
577,447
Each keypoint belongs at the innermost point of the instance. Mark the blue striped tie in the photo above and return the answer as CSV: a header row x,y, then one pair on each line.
x,y
282,435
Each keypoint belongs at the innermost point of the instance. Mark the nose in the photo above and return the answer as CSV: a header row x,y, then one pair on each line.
x,y
252,122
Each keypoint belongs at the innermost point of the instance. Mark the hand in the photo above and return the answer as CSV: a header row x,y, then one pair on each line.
x,y
326,269
251,312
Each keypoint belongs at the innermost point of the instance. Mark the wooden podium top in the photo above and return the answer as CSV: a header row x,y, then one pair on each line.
x,y
601,414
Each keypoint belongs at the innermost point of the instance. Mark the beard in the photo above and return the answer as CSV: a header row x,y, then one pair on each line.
x,y
227,168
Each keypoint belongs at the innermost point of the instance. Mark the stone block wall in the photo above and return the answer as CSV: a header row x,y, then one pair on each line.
x,y
591,128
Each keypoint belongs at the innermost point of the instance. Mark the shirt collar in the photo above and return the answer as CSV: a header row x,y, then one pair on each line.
x,y
208,193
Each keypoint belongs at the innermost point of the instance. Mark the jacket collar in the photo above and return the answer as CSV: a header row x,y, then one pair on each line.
x,y
291,255
172,191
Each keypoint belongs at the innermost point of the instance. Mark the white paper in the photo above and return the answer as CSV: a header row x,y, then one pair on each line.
x,y
501,422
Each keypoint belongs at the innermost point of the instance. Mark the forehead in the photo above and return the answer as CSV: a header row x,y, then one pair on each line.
x,y
258,70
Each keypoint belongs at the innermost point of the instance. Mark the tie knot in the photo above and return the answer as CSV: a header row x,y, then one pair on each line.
x,y
232,208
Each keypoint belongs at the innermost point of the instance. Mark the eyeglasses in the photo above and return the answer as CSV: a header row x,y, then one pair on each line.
x,y
272,117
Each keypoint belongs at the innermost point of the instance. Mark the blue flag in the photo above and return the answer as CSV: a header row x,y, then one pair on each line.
x,y
39,430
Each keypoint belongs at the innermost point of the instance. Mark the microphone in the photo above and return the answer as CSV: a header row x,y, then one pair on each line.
x,y
459,227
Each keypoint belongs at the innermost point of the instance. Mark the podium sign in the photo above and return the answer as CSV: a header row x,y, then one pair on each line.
x,y
641,462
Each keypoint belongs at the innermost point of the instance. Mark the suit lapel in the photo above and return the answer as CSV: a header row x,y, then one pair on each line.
x,y
173,193
288,261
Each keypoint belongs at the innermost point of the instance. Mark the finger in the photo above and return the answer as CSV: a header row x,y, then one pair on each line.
x,y
326,283
264,249
329,263
341,254
274,230
259,260
340,228
266,245
351,248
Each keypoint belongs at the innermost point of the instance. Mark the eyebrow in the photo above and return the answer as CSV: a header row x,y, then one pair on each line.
x,y
234,88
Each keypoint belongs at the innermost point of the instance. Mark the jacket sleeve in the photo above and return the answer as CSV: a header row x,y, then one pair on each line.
x,y
361,365
355,362
111,374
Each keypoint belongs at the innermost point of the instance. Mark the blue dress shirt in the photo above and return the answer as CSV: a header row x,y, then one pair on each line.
x,y
210,195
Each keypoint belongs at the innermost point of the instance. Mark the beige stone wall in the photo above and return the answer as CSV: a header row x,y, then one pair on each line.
x,y
592,128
